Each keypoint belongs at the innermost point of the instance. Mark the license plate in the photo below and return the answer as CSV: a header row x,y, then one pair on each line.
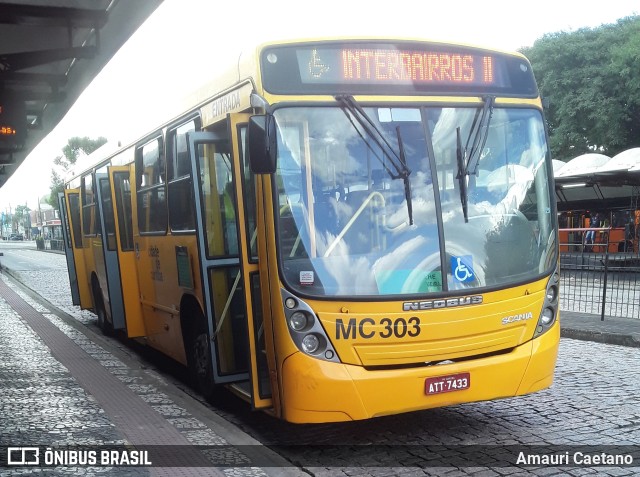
x,y
447,384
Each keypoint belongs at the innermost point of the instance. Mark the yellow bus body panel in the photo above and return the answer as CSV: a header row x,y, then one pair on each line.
x,y
131,295
127,264
390,336
492,341
84,283
161,294
320,391
539,373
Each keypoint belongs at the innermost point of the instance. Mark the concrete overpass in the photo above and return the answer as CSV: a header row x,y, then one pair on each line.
x,y
50,50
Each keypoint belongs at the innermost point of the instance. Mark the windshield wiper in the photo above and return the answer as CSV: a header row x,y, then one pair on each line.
x,y
479,135
469,157
462,176
405,176
397,159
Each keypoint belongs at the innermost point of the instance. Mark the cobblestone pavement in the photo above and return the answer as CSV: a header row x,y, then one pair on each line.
x,y
593,407
41,403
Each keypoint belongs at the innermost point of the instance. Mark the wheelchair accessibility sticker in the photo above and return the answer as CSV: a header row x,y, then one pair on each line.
x,y
462,268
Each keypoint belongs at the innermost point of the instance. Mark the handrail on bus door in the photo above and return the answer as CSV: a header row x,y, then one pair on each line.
x,y
225,310
375,194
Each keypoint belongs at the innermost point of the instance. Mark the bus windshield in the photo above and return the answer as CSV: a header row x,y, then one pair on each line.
x,y
351,224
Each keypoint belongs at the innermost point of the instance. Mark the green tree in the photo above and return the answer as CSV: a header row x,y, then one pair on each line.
x,y
20,217
75,148
591,78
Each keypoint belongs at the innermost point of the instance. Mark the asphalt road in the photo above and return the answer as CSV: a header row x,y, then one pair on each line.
x,y
22,256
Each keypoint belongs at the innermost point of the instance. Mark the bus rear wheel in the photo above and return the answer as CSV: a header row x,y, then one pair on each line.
x,y
103,322
199,359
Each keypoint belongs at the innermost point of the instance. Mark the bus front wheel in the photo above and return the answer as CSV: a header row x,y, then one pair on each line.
x,y
199,358
103,322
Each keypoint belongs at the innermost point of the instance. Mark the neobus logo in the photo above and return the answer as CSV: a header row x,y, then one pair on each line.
x,y
444,303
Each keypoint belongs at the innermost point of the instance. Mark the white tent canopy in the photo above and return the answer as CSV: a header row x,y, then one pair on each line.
x,y
592,180
584,164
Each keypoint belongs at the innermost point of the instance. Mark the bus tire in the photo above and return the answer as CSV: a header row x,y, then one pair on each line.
x,y
103,322
199,359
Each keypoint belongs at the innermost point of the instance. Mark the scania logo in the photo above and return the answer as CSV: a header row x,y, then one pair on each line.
x,y
519,317
443,303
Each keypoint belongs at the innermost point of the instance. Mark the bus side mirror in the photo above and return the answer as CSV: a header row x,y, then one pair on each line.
x,y
262,144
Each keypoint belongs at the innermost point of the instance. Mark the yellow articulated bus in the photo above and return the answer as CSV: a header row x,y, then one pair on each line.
x,y
337,229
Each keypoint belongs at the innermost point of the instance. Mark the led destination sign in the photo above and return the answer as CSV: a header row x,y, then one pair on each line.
x,y
405,68
398,66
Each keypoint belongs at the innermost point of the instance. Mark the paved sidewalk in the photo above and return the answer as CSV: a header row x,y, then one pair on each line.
x,y
588,327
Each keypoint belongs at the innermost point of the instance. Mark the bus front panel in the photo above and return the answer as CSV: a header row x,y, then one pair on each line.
x,y
416,245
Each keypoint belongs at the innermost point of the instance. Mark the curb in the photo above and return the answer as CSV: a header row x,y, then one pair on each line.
x,y
600,337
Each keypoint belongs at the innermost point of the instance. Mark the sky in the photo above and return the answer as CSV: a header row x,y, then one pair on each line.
x,y
185,42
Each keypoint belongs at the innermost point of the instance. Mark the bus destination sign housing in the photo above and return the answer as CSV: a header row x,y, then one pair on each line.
x,y
399,68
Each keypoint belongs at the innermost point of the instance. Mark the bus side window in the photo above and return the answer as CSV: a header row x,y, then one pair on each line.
x,y
122,189
74,214
107,209
249,194
228,213
219,202
88,206
180,193
151,180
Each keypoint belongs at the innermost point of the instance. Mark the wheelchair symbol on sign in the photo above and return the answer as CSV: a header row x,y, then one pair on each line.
x,y
461,271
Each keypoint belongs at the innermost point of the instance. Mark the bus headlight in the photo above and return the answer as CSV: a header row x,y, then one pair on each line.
x,y
547,316
310,344
550,307
298,321
305,329
552,293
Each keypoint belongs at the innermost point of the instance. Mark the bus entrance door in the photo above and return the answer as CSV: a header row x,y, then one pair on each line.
x,y
112,268
68,250
72,230
121,179
227,242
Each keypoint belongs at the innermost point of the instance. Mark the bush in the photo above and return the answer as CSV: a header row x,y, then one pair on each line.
x,y
40,243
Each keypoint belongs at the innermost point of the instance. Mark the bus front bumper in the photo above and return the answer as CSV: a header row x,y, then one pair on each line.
x,y
320,391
